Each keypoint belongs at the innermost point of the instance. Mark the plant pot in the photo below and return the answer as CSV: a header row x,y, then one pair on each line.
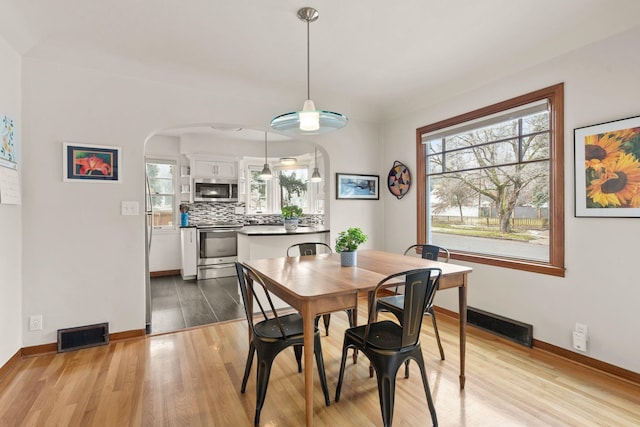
x,y
348,259
290,224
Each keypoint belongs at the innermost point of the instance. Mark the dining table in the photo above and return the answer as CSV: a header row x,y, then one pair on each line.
x,y
318,284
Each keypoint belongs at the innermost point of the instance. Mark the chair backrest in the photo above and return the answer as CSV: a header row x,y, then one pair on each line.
x,y
248,291
309,248
429,251
419,290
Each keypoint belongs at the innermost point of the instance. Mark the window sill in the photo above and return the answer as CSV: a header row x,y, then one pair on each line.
x,y
516,264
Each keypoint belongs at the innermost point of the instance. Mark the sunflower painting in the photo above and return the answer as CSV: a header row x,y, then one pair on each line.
x,y
608,169
90,163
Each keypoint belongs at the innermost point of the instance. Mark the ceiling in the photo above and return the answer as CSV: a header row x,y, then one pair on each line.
x,y
388,56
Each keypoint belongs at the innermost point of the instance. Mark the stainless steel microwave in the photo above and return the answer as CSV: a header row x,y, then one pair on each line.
x,y
215,190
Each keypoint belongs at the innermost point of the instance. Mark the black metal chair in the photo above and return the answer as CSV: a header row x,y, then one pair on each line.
x,y
393,303
270,336
314,248
388,344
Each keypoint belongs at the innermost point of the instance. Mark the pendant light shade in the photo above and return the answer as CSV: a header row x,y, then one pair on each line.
x,y
265,175
308,121
315,176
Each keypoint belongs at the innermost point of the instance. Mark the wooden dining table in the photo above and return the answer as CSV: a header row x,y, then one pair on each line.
x,y
318,284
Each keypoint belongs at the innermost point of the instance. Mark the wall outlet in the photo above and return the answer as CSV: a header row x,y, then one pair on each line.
x,y
581,328
579,341
35,322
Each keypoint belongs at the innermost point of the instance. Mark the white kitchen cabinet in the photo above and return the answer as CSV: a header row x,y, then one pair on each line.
x,y
189,248
215,169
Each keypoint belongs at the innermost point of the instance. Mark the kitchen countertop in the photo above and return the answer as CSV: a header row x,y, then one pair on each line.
x,y
276,230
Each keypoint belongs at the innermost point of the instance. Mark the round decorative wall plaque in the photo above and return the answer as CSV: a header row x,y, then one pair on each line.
x,y
399,179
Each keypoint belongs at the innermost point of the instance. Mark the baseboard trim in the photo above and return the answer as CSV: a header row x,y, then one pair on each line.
x,y
8,367
164,273
580,359
38,350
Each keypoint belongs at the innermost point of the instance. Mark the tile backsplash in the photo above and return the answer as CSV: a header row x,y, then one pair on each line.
x,y
200,212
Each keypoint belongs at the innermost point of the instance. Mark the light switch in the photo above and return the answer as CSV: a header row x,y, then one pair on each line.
x,y
129,208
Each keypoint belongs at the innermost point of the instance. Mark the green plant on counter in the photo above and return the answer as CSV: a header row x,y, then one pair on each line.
x,y
291,211
348,241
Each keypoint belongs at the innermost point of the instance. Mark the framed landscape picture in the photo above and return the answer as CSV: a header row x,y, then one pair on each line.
x,y
352,186
607,168
90,163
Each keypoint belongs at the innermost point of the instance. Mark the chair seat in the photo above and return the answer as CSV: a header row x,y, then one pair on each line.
x,y
384,335
391,302
291,323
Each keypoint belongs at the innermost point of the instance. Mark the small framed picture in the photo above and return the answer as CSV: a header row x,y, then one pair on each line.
x,y
607,168
352,186
90,163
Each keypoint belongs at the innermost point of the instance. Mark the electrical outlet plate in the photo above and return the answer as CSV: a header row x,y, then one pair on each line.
x,y
35,323
579,341
581,328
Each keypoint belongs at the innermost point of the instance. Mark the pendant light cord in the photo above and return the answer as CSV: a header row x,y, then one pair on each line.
x,y
308,63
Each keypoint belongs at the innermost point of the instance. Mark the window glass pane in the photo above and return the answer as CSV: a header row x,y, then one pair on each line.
x,y
161,184
468,211
535,123
293,187
535,147
258,202
434,164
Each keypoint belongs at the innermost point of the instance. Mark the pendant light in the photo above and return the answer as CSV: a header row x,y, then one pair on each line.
x,y
315,176
265,175
309,121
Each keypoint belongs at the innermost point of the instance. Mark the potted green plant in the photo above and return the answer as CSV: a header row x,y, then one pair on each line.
x,y
347,244
290,215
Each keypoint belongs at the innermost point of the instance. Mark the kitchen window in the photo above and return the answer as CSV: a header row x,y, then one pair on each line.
x,y
289,186
493,186
162,183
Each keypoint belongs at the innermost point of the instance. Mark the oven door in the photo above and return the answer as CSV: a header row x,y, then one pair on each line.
x,y
217,252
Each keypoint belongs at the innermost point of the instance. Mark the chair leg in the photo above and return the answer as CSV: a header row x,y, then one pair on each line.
x,y
341,374
386,392
326,318
427,391
297,349
247,369
317,349
264,371
435,329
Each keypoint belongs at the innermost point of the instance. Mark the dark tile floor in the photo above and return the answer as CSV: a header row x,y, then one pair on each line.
x,y
179,304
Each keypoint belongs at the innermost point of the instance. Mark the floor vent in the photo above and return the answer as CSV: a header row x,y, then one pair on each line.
x,y
83,337
513,330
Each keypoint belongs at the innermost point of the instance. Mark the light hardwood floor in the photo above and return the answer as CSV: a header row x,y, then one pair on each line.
x,y
192,378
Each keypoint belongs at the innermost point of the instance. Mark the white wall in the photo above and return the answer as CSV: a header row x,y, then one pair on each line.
x,y
85,260
11,321
601,285
10,216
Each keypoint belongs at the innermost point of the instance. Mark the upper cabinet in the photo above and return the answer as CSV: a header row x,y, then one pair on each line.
x,y
214,168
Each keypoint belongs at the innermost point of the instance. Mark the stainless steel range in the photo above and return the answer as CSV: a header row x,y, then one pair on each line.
x,y
217,249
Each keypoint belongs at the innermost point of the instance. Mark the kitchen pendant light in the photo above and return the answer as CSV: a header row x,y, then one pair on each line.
x,y
315,176
309,121
265,175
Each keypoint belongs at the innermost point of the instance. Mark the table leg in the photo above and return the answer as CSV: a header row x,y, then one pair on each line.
x,y
308,325
462,302
354,322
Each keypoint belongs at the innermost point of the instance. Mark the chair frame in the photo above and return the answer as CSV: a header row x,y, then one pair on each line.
x,y
388,345
392,303
270,336
311,248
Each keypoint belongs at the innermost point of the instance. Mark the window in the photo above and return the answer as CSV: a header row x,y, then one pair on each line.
x,y
290,186
161,176
493,187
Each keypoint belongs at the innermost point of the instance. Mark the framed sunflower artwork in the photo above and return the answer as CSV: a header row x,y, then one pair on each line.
x,y
607,165
90,163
